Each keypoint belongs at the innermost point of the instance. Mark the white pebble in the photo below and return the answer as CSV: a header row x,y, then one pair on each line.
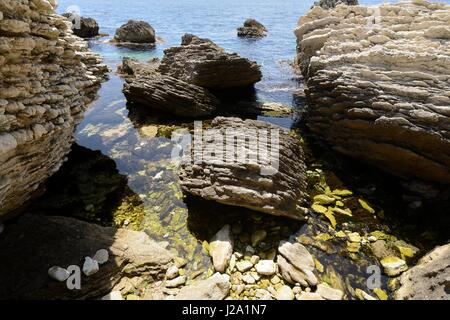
x,y
90,266
101,256
58,273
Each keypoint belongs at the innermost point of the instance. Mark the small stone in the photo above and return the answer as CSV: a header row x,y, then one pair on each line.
x,y
285,293
362,295
275,280
257,237
244,265
101,256
249,249
248,279
255,259
58,273
354,237
309,296
297,290
329,293
372,238
179,281
221,248
353,247
90,266
266,267
393,266
172,272
114,295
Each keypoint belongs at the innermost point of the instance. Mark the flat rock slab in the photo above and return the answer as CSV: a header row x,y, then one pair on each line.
x,y
203,63
216,287
32,244
429,279
272,182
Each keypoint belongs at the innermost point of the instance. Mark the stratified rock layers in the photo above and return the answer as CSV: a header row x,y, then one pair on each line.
x,y
47,78
378,83
247,168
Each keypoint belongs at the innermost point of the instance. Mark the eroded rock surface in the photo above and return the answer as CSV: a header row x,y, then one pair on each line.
x,y
378,83
429,279
34,243
252,29
203,63
139,32
47,79
273,182
329,4
83,27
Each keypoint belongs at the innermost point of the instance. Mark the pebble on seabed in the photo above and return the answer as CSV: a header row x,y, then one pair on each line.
x,y
90,266
101,256
58,273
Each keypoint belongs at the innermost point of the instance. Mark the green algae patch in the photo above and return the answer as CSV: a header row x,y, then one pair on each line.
x,y
342,192
329,215
319,208
366,206
323,199
380,293
345,212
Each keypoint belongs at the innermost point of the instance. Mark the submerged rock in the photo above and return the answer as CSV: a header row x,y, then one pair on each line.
x,y
378,84
90,266
221,249
47,78
266,267
429,279
329,293
101,256
83,27
274,184
137,32
216,287
66,241
252,29
202,63
296,264
285,293
58,273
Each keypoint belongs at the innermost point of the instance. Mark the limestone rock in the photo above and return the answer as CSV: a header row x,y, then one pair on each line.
x,y
83,27
393,266
202,63
178,281
296,264
266,267
221,248
252,29
58,273
273,184
244,265
378,84
329,293
216,287
113,295
66,241
172,272
285,293
101,256
138,32
90,266
47,78
429,279
170,95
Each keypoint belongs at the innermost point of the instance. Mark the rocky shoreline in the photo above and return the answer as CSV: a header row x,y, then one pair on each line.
x,y
287,230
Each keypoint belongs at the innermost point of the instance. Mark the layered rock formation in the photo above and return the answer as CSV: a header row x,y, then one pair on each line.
x,y
63,242
250,164
180,84
328,4
252,29
139,32
83,27
378,84
170,95
47,78
203,63
429,279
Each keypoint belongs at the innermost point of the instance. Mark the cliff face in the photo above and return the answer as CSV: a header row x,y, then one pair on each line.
x,y
378,84
47,78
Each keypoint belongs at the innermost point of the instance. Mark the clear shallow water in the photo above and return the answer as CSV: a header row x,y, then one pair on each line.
x,y
138,143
